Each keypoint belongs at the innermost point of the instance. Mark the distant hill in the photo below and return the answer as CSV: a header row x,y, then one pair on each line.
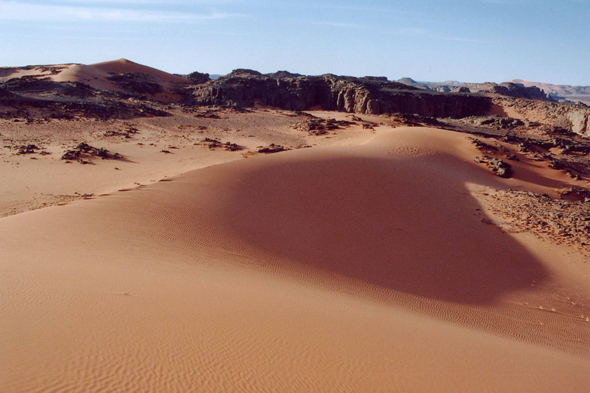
x,y
564,93
510,89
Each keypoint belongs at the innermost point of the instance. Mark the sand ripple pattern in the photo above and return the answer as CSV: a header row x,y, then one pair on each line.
x,y
346,269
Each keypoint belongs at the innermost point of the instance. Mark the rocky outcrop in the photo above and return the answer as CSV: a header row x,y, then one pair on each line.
x,y
243,73
136,83
6,95
369,95
509,89
283,74
580,121
562,93
198,77
565,116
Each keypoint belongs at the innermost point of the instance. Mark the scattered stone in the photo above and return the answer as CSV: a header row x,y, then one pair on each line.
x,y
557,220
85,151
28,149
209,114
232,146
317,126
496,165
272,148
482,146
501,168
215,143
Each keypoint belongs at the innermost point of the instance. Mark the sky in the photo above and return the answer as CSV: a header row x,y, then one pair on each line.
x,y
427,40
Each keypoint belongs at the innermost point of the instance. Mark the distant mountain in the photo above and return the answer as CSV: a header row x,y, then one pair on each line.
x,y
564,93
507,88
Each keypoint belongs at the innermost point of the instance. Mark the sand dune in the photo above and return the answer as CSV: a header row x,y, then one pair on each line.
x,y
355,268
97,76
124,65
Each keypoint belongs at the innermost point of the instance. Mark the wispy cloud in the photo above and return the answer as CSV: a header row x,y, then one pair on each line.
x,y
425,33
405,32
411,32
343,7
124,3
337,24
91,38
12,10
458,39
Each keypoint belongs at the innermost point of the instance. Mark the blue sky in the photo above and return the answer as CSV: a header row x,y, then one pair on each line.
x,y
433,40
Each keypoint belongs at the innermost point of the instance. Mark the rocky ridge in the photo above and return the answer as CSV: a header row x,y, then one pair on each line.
x,y
509,89
562,93
572,117
137,96
368,95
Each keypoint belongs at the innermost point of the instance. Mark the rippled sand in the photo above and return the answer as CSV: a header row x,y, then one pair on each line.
x,y
363,268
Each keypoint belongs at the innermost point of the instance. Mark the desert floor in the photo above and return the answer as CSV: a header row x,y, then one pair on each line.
x,y
377,260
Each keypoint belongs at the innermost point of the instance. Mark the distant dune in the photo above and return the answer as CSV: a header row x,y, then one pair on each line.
x,y
119,75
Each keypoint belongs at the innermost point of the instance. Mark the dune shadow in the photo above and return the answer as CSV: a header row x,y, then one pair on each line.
x,y
399,224
525,172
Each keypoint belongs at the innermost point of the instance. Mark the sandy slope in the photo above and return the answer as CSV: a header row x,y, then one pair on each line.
x,y
33,181
97,76
363,268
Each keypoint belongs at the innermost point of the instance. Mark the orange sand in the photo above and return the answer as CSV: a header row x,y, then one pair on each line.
x,y
370,267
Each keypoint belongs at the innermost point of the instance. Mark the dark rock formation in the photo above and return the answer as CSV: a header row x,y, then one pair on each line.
x,y
376,78
6,95
84,150
495,122
272,148
509,89
136,82
243,73
562,93
318,126
283,74
247,88
463,89
66,100
45,86
501,168
571,117
407,81
198,77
